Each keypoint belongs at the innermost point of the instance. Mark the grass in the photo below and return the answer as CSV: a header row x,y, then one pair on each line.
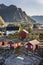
x,y
41,41
33,36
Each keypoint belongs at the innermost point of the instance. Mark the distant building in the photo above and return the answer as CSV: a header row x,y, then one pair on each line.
x,y
11,28
37,30
28,26
41,26
36,26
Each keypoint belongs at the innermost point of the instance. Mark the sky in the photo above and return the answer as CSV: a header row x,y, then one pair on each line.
x,y
31,7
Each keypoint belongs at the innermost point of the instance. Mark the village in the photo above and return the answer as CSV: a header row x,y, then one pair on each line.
x,y
19,36
15,35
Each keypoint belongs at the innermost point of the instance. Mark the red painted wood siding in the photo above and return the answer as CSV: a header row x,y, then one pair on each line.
x,y
29,46
22,34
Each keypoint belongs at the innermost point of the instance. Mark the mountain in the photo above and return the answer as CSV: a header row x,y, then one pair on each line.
x,y
13,14
2,6
39,19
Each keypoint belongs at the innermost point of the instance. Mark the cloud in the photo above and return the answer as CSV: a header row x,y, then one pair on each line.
x,y
32,1
39,1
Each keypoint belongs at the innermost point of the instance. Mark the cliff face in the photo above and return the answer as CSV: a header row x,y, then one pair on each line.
x,y
13,14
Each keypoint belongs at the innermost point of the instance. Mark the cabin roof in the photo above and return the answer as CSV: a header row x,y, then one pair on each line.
x,y
25,31
7,40
4,39
16,40
34,42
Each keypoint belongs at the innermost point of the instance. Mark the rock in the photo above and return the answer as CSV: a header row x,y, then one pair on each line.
x,y
2,60
41,63
28,60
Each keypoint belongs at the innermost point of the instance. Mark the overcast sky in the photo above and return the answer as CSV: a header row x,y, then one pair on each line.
x,y
31,7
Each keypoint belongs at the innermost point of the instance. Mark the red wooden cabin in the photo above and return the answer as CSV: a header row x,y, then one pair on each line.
x,y
32,45
23,34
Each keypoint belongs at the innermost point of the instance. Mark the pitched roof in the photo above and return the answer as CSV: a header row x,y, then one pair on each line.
x,y
7,40
4,39
34,42
16,40
25,31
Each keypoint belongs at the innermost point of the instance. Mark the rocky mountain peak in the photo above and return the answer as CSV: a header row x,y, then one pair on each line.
x,y
14,14
2,6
